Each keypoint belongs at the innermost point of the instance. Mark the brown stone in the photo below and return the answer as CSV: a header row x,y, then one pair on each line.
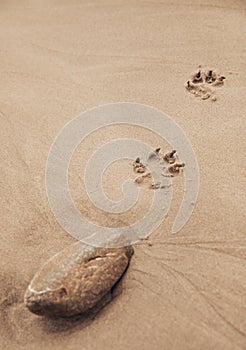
x,y
76,279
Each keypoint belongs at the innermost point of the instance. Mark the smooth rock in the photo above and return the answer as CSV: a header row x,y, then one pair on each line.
x,y
76,279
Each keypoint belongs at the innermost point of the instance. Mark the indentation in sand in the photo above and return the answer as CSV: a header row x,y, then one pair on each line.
x,y
166,166
203,84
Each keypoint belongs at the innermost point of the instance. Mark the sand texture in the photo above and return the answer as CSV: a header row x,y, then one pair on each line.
x,y
59,58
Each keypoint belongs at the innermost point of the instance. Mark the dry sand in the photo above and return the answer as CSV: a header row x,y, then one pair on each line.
x,y
59,58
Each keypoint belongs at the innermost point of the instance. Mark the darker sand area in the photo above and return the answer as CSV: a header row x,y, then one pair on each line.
x,y
59,58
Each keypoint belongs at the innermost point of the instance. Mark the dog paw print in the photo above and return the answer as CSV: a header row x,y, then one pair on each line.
x,y
163,164
203,84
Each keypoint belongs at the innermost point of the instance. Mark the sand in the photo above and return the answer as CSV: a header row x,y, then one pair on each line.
x,y
59,58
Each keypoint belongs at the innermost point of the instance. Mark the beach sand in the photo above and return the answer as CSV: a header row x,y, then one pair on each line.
x,y
59,58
